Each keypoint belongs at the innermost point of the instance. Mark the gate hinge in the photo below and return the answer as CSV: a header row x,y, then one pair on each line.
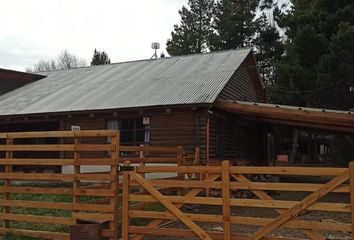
x,y
126,168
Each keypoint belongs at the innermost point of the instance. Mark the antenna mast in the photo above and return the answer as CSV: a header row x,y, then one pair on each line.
x,y
155,46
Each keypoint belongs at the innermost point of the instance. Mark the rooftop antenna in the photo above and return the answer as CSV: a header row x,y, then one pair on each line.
x,y
155,46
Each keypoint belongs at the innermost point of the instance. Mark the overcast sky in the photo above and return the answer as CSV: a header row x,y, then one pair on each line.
x,y
31,30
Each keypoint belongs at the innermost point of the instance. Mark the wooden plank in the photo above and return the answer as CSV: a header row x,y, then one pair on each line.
x,y
56,161
36,162
150,149
95,192
292,224
303,171
76,182
125,204
260,203
37,219
226,209
104,208
7,183
35,234
152,159
289,187
176,169
57,147
183,183
172,208
57,134
57,191
351,175
306,202
95,161
56,205
35,204
113,224
56,176
36,190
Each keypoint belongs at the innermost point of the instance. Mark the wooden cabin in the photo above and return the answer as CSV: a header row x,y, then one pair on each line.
x,y
163,102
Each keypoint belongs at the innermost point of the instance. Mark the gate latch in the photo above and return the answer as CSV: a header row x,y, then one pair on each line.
x,y
126,168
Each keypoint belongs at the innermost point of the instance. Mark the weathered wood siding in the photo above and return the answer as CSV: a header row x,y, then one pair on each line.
x,y
233,138
245,84
10,80
176,128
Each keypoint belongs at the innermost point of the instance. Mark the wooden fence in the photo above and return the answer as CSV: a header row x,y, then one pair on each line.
x,y
35,193
33,199
216,202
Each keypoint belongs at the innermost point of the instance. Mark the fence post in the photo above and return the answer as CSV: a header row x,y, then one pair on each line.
x,y
77,170
125,204
351,175
115,183
142,164
225,166
8,169
180,162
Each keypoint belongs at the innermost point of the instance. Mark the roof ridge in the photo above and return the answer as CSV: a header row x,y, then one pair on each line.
x,y
148,60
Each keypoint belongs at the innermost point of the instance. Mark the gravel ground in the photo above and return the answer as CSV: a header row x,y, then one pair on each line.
x,y
332,217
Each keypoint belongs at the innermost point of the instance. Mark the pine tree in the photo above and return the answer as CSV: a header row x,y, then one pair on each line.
x,y
269,49
234,24
193,33
317,69
100,58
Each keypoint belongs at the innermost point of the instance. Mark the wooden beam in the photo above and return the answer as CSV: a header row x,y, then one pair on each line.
x,y
291,115
351,174
226,208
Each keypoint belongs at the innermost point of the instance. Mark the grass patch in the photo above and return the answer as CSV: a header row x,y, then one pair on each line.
x,y
41,211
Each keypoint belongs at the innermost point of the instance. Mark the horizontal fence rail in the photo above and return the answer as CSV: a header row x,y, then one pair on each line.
x,y
218,195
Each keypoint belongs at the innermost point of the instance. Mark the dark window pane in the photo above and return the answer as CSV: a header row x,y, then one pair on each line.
x,y
127,124
139,123
127,136
140,135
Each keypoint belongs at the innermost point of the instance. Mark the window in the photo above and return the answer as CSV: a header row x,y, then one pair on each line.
x,y
132,131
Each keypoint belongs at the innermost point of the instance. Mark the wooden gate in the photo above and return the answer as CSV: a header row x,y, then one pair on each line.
x,y
214,194
37,200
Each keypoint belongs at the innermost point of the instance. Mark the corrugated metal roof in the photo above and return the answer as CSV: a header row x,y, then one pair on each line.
x,y
192,79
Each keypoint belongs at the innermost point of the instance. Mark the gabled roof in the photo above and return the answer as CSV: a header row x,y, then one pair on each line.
x,y
191,79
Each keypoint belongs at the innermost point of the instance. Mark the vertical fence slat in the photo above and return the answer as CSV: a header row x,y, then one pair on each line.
x,y
113,225
76,183
142,164
8,169
351,174
226,199
125,204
